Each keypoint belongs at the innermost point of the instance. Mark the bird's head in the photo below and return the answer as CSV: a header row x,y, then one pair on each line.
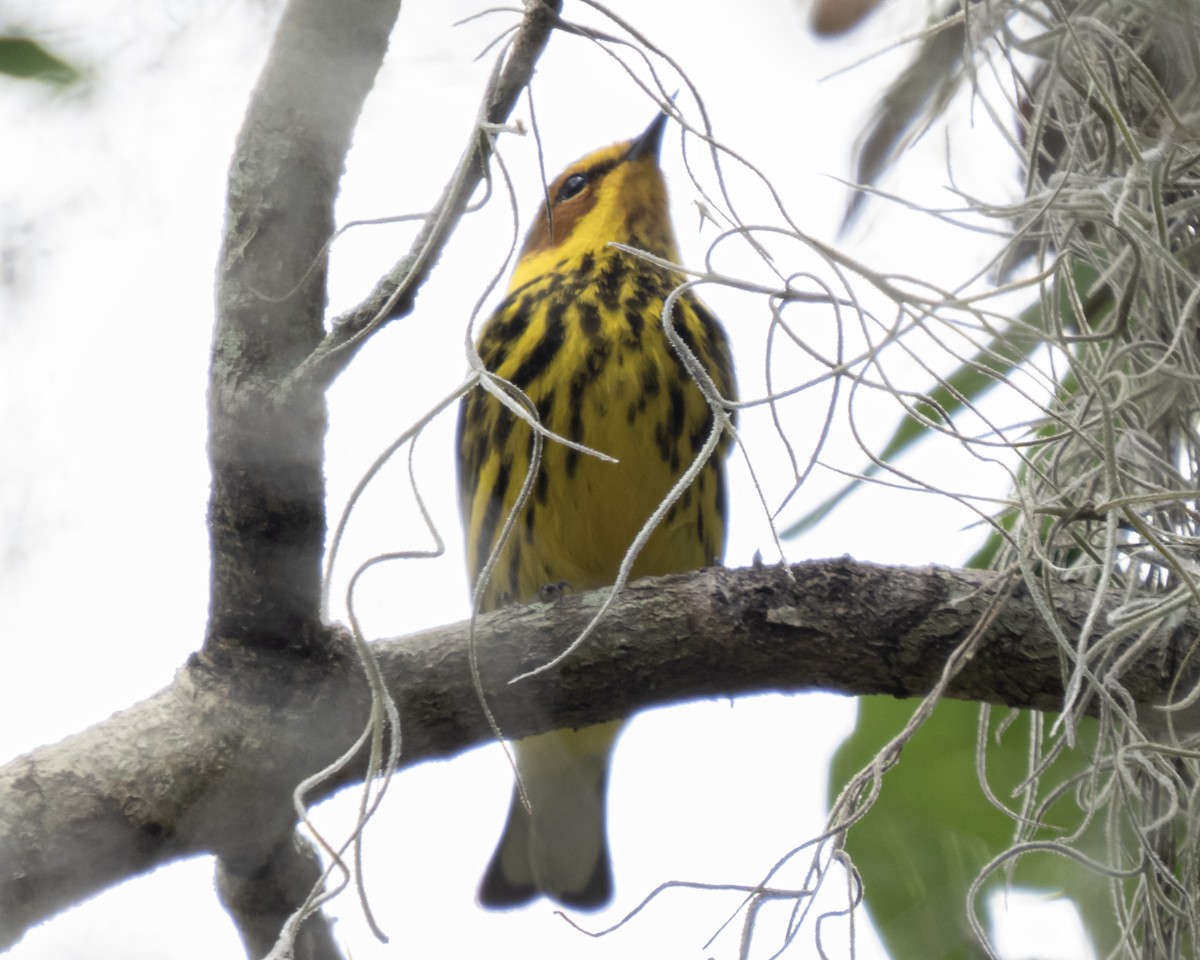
x,y
616,193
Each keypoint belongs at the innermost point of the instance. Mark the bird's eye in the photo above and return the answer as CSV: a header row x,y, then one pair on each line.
x,y
572,186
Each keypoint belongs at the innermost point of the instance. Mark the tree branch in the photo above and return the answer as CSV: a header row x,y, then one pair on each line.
x,y
261,900
267,507
271,357
209,763
395,293
271,360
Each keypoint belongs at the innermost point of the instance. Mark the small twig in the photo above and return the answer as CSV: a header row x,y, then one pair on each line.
x,y
394,294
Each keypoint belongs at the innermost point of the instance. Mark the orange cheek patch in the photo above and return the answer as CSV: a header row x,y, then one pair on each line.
x,y
566,215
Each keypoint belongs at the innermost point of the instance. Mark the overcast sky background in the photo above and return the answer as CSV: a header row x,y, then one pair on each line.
x,y
110,216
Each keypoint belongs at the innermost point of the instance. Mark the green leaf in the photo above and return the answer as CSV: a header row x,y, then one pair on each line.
x,y
985,556
26,59
932,829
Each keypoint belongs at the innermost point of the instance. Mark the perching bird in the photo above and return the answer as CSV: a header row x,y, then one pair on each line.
x,y
580,332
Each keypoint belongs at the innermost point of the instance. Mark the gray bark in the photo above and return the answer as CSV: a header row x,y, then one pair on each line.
x,y
209,763
272,360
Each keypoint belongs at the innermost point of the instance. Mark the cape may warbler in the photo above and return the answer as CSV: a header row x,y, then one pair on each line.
x,y
580,332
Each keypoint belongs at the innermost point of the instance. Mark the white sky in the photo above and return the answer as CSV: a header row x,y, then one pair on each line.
x,y
110,214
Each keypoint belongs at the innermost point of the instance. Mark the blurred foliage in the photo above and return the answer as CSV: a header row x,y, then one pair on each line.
x,y
1104,102
934,830
26,59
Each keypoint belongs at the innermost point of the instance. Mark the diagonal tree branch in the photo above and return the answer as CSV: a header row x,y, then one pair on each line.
x,y
395,293
209,763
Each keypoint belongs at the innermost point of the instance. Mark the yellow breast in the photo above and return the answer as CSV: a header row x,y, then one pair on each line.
x,y
586,346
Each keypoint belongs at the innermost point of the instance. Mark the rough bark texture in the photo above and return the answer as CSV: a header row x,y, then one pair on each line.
x,y
267,507
208,764
266,515
271,362
261,901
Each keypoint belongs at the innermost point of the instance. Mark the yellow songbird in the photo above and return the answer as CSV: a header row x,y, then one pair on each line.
x,y
580,333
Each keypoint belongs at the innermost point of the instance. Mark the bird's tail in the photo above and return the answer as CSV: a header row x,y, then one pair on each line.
x,y
559,847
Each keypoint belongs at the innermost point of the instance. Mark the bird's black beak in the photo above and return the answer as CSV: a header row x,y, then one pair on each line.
x,y
647,144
